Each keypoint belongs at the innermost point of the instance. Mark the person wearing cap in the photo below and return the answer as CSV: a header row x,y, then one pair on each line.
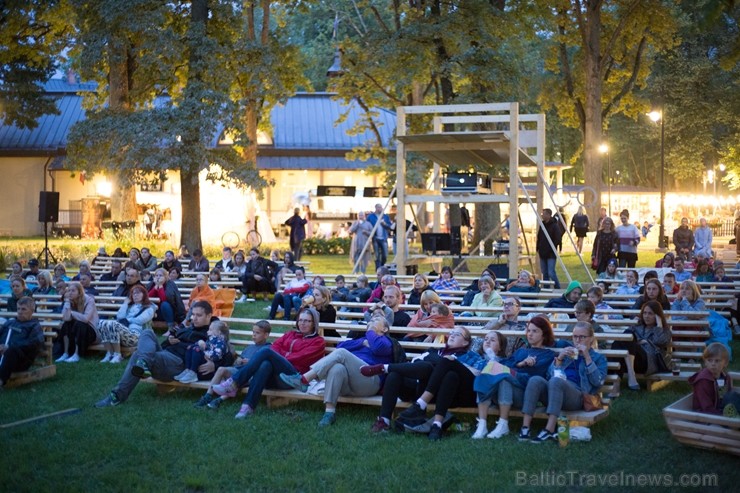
x,y
611,270
32,272
549,235
629,238
570,297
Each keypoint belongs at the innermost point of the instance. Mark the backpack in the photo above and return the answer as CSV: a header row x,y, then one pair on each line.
x,y
399,354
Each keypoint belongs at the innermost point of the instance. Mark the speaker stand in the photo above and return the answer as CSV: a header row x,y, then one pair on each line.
x,y
46,252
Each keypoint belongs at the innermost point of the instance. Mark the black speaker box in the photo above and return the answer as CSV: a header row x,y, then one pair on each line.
x,y
48,207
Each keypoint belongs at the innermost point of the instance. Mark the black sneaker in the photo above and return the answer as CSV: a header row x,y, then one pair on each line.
x,y
435,433
215,403
413,413
203,401
108,401
141,369
524,435
545,436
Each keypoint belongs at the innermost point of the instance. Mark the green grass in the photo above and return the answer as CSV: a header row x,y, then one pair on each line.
x,y
159,442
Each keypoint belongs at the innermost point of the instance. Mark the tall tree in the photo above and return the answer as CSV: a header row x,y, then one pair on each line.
x,y
599,53
33,35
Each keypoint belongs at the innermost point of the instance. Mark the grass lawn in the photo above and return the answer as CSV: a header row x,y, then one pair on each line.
x,y
159,442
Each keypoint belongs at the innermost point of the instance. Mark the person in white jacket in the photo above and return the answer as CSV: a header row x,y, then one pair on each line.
x,y
134,315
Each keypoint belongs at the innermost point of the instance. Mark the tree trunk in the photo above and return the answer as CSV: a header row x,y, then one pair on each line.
x,y
487,218
190,203
123,195
592,126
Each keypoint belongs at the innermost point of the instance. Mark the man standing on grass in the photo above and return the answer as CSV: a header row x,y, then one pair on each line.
x,y
164,361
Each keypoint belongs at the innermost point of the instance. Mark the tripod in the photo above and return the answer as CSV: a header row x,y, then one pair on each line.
x,y
46,252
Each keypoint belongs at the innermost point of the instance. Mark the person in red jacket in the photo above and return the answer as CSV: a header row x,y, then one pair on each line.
x,y
293,352
712,383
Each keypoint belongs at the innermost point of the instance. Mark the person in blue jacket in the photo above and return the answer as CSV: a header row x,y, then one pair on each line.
x,y
380,238
577,370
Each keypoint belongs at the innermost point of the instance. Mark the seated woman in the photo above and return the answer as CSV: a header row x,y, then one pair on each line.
x,y
322,304
260,332
18,290
445,375
259,274
667,262
44,285
171,308
577,370
174,274
506,388
134,256
214,278
720,275
703,272
135,314
653,292
60,272
341,368
472,289
421,286
509,320
16,270
649,346
611,270
525,283
487,298
240,266
294,352
297,287
84,269
80,323
630,286
445,281
688,299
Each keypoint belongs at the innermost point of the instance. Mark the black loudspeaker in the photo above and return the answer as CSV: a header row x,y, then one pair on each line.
x,y
48,207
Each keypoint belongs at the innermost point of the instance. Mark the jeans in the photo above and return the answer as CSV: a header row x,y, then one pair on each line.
x,y
164,365
165,313
381,251
263,369
547,266
288,302
557,393
194,357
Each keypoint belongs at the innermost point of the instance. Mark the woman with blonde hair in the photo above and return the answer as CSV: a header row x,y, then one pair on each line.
x,y
320,300
80,323
45,285
421,286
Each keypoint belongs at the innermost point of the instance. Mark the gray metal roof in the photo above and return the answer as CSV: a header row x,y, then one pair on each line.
x,y
311,162
307,121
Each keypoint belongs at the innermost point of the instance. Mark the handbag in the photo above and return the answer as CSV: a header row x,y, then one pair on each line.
x,y
592,402
595,260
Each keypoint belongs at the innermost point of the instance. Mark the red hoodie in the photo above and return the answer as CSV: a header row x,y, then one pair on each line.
x,y
301,351
706,391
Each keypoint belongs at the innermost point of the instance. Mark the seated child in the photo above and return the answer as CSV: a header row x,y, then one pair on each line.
x,y
260,333
341,291
214,350
713,393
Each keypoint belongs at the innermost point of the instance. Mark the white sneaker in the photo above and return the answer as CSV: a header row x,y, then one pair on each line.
x,y
116,359
61,358
181,374
481,431
191,377
107,358
502,428
73,359
242,299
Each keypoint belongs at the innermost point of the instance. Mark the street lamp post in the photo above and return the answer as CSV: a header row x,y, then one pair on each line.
x,y
655,116
604,149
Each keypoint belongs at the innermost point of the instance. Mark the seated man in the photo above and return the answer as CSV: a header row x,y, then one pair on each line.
x,y
199,262
86,282
32,272
391,307
226,264
21,338
164,361
259,275
132,277
683,239
170,262
115,271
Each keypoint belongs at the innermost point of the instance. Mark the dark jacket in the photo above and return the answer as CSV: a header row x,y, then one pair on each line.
x,y
202,265
27,336
168,266
706,391
683,237
187,336
297,227
543,246
261,267
172,293
124,289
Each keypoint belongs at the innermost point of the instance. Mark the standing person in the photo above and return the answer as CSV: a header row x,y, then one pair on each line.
x,y
548,255
21,339
134,316
361,230
703,240
683,240
297,226
380,239
162,362
602,216
80,326
579,222
629,238
606,245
